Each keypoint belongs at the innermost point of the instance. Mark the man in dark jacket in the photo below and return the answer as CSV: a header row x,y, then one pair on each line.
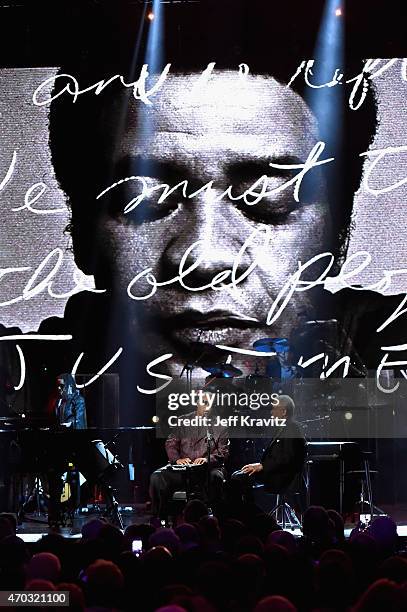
x,y
282,459
70,408
69,411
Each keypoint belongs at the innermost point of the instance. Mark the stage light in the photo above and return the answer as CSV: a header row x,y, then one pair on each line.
x,y
348,416
326,99
338,12
155,43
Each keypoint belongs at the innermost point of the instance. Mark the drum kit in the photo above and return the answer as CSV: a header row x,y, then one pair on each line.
x,y
211,359
272,370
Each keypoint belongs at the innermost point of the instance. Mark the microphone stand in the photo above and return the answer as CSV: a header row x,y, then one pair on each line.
x,y
209,437
75,484
111,445
188,367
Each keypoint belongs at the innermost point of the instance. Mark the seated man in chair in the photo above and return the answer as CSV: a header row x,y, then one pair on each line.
x,y
188,447
282,459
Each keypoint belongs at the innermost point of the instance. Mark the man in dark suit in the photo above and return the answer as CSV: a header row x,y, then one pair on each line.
x,y
282,459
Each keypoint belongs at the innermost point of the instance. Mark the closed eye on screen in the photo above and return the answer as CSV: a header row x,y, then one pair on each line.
x,y
150,210
264,212
129,202
270,213
251,169
134,205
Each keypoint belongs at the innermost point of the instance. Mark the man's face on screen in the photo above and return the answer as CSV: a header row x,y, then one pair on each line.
x,y
227,132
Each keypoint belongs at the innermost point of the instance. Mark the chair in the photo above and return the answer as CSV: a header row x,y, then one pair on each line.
x,y
285,514
192,489
282,510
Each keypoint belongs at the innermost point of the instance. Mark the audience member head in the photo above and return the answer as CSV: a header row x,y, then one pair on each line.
x,y
210,532
275,603
278,569
11,517
53,543
91,529
334,577
158,554
40,584
283,538
138,532
113,540
384,532
76,596
188,535
13,558
129,564
104,583
249,572
44,565
339,525
215,582
158,563
276,558
232,531
8,525
167,538
175,594
13,552
361,543
249,544
315,524
5,528
363,551
381,595
394,568
170,608
158,568
194,511
262,524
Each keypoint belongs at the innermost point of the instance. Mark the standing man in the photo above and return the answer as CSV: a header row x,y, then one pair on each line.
x,y
69,410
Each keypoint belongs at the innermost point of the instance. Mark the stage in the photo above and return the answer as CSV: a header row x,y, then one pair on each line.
x,y
34,528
